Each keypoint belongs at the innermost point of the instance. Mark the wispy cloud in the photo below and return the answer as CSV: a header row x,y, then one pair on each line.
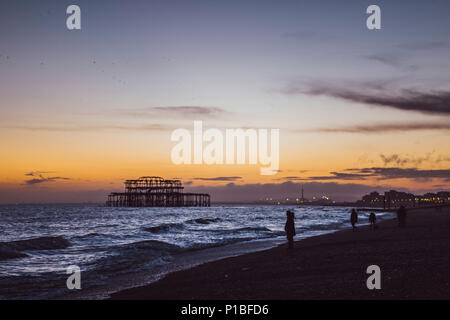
x,y
333,176
232,178
392,60
37,173
180,112
177,112
424,45
403,160
90,127
38,177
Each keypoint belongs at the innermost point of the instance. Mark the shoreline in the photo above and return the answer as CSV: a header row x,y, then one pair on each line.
x,y
413,260
180,262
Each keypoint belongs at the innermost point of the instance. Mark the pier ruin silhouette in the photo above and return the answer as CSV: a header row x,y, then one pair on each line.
x,y
156,192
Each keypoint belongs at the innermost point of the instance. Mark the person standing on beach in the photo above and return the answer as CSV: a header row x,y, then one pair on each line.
x,y
354,219
401,216
290,228
372,220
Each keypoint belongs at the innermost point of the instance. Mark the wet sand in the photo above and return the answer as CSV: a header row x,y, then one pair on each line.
x,y
414,264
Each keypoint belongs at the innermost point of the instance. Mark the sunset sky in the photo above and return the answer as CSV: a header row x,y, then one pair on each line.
x,y
358,110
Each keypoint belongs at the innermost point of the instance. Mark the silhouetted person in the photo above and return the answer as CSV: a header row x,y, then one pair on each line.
x,y
401,216
372,220
290,228
354,219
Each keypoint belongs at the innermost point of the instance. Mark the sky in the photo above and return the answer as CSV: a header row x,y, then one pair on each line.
x,y
358,110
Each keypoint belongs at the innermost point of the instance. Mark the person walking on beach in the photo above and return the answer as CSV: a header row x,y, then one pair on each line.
x,y
290,228
372,220
401,216
354,219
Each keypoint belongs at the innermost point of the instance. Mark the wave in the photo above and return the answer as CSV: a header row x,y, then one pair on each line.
x,y
238,230
11,249
133,256
205,245
253,229
203,220
89,235
153,245
41,243
6,254
164,227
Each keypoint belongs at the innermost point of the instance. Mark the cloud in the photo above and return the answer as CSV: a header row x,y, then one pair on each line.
x,y
377,94
334,176
392,60
389,60
386,128
400,160
233,178
440,186
424,45
38,177
395,159
37,173
176,112
180,112
93,127
379,173
385,174
409,173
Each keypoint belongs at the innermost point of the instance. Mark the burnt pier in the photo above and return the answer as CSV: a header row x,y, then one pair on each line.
x,y
156,192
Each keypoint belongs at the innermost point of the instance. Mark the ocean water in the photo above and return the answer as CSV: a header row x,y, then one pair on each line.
x,y
39,242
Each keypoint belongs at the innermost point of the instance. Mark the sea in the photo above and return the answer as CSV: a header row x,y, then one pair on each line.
x,y
118,248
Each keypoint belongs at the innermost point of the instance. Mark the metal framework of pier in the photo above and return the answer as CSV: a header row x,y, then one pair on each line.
x,y
156,192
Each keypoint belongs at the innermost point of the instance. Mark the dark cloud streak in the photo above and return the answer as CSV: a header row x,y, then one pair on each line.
x,y
432,102
38,177
381,173
386,128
